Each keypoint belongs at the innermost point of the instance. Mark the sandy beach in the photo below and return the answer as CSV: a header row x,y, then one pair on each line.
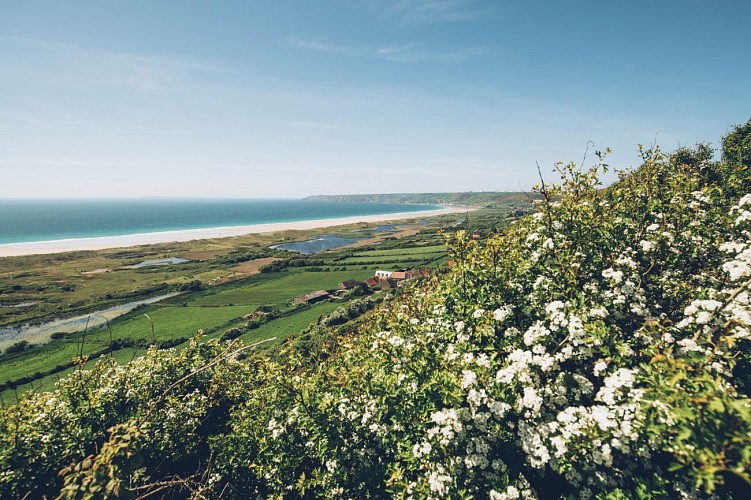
x,y
99,243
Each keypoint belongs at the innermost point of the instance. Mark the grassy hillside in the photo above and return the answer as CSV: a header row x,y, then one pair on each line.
x,y
597,348
472,199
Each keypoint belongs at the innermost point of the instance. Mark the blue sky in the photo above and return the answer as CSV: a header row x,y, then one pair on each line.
x,y
290,98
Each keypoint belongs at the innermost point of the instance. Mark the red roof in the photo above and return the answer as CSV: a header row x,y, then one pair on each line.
x,y
372,281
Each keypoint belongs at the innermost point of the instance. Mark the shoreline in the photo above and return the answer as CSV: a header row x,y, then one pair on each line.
x,y
183,235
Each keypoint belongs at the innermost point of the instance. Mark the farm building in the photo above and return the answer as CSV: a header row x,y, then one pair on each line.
x,y
383,274
372,282
348,285
313,297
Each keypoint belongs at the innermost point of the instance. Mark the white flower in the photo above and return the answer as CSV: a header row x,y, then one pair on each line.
x,y
438,481
688,345
478,313
745,200
599,367
535,332
731,247
468,378
483,360
476,398
421,449
498,408
275,428
703,318
511,493
501,313
531,399
736,270
554,307
602,455
623,377
616,276
598,312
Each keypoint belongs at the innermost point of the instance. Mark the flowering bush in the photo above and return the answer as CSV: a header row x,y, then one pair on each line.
x,y
599,347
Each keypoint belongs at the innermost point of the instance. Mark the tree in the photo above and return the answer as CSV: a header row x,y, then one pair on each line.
x,y
19,346
736,146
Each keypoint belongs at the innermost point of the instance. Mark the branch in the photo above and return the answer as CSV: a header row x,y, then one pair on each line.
x,y
199,370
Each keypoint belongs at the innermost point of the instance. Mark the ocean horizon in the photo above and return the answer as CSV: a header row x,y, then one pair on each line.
x,y
38,220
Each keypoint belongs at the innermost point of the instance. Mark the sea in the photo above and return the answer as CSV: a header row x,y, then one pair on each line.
x,y
23,221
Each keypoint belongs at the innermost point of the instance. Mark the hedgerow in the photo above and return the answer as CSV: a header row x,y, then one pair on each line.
x,y
597,348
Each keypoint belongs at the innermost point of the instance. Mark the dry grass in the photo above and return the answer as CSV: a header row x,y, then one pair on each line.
x,y
253,266
205,254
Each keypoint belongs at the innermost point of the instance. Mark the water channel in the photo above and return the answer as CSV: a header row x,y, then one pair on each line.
x,y
42,332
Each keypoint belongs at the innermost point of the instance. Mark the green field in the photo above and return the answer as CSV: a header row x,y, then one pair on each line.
x,y
228,290
397,252
281,328
47,383
174,321
279,290
169,322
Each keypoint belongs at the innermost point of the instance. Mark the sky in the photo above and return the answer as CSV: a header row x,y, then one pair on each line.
x,y
289,98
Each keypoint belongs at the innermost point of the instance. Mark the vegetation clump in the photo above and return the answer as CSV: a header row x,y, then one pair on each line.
x,y
598,347
20,346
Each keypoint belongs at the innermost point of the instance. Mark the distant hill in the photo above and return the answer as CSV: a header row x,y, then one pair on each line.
x,y
474,199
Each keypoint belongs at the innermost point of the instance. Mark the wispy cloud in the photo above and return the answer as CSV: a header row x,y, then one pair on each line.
x,y
428,11
414,53
404,52
319,46
148,73
76,50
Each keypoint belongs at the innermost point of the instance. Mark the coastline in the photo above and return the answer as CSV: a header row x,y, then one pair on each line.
x,y
131,240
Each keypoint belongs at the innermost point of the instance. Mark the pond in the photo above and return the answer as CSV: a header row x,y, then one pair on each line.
x,y
324,242
162,262
378,229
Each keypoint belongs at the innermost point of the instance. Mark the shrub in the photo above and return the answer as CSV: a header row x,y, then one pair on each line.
x,y
20,346
192,286
231,334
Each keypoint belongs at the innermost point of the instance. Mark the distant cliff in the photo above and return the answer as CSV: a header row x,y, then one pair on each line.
x,y
475,199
